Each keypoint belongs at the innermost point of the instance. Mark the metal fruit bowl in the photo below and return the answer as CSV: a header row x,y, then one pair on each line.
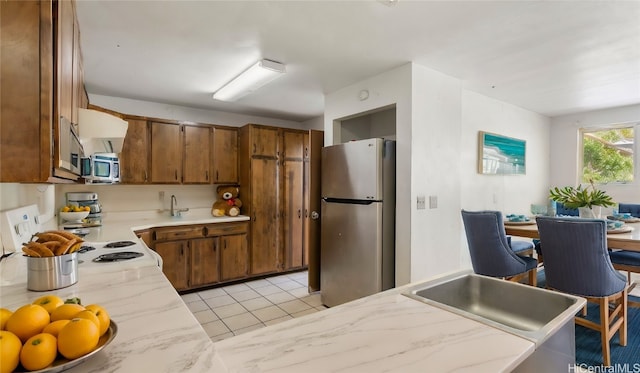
x,y
74,216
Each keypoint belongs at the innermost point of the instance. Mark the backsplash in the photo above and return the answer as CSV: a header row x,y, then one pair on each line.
x,y
120,198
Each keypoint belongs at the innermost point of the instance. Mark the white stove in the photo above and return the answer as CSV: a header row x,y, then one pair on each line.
x,y
19,225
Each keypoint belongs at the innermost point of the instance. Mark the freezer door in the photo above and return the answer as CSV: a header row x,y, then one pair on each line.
x,y
351,251
353,170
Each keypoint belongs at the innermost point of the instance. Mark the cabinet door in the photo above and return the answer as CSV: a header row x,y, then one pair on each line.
x,y
204,261
293,205
166,153
146,235
65,23
197,155
265,216
134,158
175,255
293,144
233,257
77,77
264,142
225,155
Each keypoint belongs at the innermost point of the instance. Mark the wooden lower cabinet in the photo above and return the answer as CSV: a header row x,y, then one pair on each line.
x,y
195,256
204,261
175,258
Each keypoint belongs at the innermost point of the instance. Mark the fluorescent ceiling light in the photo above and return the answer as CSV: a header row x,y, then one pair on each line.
x,y
261,73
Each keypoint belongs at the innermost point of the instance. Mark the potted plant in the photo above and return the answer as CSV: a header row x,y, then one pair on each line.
x,y
583,199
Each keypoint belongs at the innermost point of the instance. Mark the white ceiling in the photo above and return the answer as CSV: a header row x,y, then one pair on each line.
x,y
551,57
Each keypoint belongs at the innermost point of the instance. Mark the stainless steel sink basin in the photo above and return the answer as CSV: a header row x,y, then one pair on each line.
x,y
526,311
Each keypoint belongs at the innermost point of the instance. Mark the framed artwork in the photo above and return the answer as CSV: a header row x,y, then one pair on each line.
x,y
501,155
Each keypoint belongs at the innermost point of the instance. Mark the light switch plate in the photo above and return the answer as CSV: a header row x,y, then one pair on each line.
x,y
421,203
433,202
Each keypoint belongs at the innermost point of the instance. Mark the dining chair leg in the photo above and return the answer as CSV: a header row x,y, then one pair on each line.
x,y
533,277
604,331
623,327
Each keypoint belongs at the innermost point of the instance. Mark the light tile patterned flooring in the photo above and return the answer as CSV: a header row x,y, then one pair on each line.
x,y
235,309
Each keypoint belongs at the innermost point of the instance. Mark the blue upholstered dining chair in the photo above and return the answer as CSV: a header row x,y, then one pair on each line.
x,y
576,261
632,208
624,260
490,252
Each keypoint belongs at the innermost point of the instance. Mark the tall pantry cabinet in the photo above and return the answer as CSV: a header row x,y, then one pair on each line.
x,y
275,196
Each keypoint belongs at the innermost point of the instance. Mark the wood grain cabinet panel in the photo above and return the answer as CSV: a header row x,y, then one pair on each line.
x,y
205,261
134,157
234,257
40,70
166,153
225,155
175,258
197,155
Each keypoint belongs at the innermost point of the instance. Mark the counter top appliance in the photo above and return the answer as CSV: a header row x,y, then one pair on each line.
x,y
84,199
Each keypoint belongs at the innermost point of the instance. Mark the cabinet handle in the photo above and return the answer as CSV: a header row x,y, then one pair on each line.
x,y
254,216
181,250
206,174
176,173
217,178
145,175
215,244
225,244
306,213
254,148
299,213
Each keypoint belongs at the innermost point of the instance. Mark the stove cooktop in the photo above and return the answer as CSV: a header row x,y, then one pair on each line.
x,y
118,244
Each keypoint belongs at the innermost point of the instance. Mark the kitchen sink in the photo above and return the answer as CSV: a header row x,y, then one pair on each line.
x,y
526,311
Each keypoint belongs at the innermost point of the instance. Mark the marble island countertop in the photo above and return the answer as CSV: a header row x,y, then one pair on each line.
x,y
383,332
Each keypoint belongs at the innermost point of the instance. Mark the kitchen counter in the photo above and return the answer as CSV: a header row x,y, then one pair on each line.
x,y
380,333
157,332
121,225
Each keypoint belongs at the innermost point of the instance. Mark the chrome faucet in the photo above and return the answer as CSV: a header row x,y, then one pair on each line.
x,y
174,203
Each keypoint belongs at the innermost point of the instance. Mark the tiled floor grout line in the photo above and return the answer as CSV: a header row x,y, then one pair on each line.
x,y
283,286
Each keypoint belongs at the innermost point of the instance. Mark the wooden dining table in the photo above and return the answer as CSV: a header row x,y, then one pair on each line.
x,y
627,241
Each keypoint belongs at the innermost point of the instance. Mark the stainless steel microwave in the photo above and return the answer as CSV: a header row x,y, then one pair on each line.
x,y
101,168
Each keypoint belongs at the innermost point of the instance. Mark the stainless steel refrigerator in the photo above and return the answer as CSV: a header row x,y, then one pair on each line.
x,y
357,253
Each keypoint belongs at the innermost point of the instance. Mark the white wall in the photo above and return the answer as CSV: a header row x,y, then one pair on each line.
x,y
435,163
316,123
437,131
565,134
391,87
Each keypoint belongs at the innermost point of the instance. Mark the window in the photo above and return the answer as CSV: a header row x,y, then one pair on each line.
x,y
609,155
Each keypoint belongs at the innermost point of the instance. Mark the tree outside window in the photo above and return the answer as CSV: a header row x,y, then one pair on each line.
x,y
608,155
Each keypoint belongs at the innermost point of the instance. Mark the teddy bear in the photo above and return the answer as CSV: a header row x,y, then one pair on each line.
x,y
228,203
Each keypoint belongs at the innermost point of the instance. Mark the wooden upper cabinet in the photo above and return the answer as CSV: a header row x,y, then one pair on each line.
x,y
293,144
65,53
166,153
264,142
38,41
197,155
134,158
225,155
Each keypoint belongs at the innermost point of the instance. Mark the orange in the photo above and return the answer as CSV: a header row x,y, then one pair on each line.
x,y
78,338
39,351
4,316
49,302
103,316
27,321
54,327
10,346
66,311
86,314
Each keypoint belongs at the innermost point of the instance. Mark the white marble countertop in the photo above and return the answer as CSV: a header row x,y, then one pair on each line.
x,y
385,332
121,225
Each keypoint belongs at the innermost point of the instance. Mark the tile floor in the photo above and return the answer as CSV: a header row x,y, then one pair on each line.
x,y
231,310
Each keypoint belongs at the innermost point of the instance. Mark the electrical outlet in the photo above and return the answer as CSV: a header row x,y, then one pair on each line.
x,y
161,195
421,203
433,202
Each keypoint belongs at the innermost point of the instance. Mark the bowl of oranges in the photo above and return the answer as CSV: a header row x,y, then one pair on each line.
x,y
72,213
51,335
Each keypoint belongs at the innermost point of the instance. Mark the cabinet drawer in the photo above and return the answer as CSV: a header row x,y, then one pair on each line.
x,y
179,233
222,229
